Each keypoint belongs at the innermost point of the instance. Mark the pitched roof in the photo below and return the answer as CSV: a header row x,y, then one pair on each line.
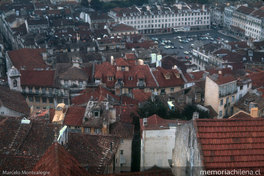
x,y
13,100
140,95
58,162
74,73
27,58
99,93
31,143
231,143
168,78
244,9
155,122
39,78
257,79
74,116
124,112
122,130
94,151
241,114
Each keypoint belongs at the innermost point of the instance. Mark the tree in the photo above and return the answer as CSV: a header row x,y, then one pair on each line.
x,y
153,107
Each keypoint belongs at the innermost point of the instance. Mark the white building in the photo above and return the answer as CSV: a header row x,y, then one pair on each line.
x,y
228,15
157,141
248,22
156,18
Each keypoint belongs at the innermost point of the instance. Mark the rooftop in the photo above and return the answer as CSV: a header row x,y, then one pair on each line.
x,y
231,143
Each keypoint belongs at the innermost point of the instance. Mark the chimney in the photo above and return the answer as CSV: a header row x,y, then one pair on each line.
x,y
78,37
220,72
44,56
254,112
195,115
145,121
112,60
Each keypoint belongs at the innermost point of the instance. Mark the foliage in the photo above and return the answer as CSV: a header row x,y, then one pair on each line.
x,y
157,107
153,107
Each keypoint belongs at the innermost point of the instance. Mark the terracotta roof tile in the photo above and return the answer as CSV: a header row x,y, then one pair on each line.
x,y
58,162
140,95
257,79
43,78
13,100
235,143
171,81
27,58
155,122
74,116
94,151
98,93
121,62
122,130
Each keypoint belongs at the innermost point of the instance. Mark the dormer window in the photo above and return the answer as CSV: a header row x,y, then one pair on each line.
x,y
96,114
130,78
123,68
110,78
15,83
167,76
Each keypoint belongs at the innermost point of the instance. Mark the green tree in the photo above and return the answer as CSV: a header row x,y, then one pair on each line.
x,y
153,107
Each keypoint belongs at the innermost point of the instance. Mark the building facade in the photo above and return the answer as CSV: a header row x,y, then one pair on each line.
x,y
157,18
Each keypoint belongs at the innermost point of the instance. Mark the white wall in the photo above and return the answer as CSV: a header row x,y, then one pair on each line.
x,y
156,147
4,111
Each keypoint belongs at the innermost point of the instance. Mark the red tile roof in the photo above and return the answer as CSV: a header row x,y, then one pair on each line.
x,y
58,162
145,44
98,93
241,114
74,116
122,130
125,111
121,62
140,95
123,28
95,152
136,72
160,74
257,79
13,100
43,78
155,122
231,143
27,58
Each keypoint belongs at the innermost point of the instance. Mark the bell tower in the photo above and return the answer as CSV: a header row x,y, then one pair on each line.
x,y
14,81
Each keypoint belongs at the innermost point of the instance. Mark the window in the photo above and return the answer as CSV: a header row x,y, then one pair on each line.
x,y
162,91
44,100
96,113
15,83
110,78
97,131
37,99
50,100
220,113
123,68
172,89
121,152
30,98
233,98
221,102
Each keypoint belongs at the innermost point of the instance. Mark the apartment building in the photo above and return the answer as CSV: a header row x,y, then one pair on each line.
x,y
220,93
228,15
248,22
158,19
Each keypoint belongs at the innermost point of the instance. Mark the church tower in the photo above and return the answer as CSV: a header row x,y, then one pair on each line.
x,y
14,81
